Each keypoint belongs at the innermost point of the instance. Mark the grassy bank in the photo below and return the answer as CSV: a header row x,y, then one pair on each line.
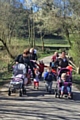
x,y
76,80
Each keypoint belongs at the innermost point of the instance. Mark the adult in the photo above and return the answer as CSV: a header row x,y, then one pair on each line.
x,y
33,54
53,59
25,59
62,61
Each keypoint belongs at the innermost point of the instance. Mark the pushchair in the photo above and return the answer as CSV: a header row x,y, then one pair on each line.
x,y
17,80
68,83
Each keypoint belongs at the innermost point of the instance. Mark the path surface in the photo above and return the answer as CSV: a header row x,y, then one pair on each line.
x,y
39,105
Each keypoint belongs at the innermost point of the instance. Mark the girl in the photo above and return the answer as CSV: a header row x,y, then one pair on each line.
x,y
36,79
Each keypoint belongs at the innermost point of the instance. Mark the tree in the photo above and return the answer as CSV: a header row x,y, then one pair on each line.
x,y
4,28
44,17
12,23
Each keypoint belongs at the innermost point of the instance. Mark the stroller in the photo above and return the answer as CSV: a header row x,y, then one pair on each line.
x,y
68,82
18,79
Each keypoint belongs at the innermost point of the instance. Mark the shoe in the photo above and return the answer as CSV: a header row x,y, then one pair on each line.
x,y
69,96
61,95
37,88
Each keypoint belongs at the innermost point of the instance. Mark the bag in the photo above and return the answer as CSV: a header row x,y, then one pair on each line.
x,y
49,76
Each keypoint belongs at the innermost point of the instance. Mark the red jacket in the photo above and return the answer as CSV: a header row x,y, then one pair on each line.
x,y
41,67
54,58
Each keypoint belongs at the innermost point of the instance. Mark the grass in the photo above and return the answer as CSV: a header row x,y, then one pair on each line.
x,y
76,80
4,77
52,42
19,46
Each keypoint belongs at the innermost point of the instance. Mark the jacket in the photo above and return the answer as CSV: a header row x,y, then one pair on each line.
x,y
48,76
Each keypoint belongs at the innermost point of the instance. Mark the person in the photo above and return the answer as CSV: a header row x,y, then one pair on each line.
x,y
25,59
53,59
22,57
41,66
62,80
33,54
36,79
62,61
49,77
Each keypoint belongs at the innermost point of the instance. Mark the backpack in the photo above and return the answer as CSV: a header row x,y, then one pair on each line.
x,y
48,76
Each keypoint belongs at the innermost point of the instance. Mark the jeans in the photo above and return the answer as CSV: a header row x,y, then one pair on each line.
x,y
67,87
49,85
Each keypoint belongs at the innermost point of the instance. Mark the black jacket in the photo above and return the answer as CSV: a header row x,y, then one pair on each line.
x,y
33,56
26,61
61,62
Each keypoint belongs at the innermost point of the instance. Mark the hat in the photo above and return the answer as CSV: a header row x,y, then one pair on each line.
x,y
35,51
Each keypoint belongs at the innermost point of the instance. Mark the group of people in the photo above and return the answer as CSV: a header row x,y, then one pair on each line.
x,y
58,62
29,58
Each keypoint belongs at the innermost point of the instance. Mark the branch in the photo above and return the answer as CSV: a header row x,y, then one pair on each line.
x,y
6,47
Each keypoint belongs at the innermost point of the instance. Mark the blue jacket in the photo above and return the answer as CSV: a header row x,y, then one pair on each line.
x,y
49,76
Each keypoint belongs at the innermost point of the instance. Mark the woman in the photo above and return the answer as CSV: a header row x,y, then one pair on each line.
x,y
62,61
25,59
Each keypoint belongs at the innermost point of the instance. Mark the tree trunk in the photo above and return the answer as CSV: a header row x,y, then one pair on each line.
x,y
67,35
78,70
29,31
42,43
5,45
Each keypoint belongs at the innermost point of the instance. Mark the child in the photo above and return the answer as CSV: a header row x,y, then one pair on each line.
x,y
49,76
36,79
64,79
41,67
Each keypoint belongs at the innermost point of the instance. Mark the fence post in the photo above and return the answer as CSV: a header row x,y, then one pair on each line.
x,y
78,70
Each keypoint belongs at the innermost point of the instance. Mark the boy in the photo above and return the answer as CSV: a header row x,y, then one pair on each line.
x,y
49,76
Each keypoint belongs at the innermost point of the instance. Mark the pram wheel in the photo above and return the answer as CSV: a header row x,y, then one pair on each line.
x,y
20,93
24,91
55,93
9,92
58,93
71,95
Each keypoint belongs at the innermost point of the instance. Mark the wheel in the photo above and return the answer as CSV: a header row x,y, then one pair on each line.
x,y
9,92
59,95
24,91
71,95
47,89
20,93
55,93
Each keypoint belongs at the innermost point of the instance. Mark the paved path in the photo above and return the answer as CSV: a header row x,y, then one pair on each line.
x,y
39,105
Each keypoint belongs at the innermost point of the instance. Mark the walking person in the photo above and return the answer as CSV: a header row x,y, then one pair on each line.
x,y
25,59
36,79
53,59
62,61
41,66
49,77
